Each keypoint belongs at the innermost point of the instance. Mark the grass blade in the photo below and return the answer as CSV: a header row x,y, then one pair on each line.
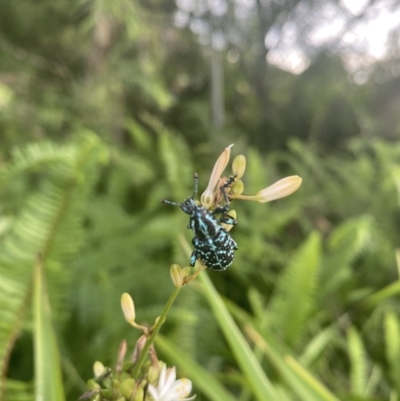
x,y
259,383
202,379
48,378
302,382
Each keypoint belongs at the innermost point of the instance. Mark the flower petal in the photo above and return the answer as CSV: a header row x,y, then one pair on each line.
x,y
153,392
280,189
179,390
162,378
168,382
219,167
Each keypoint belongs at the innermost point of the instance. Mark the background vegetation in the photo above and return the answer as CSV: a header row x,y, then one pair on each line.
x,y
105,110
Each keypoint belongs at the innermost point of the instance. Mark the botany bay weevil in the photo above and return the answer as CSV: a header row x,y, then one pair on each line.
x,y
212,243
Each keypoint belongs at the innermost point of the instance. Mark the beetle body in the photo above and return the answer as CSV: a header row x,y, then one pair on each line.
x,y
212,243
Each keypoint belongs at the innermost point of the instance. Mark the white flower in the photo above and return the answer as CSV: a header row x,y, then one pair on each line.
x,y
169,389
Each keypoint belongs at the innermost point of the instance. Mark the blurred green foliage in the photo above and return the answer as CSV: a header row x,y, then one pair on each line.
x,y
104,111
101,231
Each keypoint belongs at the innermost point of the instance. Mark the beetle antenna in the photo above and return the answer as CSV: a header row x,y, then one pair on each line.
x,y
168,202
196,184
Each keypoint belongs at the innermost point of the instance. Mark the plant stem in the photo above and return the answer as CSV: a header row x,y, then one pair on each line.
x,y
159,322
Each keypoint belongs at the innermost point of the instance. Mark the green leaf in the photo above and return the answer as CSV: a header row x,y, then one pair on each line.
x,y
293,375
18,391
381,295
302,382
48,377
317,345
321,392
258,381
345,243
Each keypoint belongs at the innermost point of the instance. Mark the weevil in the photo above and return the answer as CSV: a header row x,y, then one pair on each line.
x,y
212,243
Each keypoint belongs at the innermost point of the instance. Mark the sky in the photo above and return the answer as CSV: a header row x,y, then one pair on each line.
x,y
361,44
321,24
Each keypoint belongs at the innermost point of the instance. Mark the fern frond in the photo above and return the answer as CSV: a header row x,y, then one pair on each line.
x,y
346,242
294,296
138,168
392,340
352,236
49,225
358,362
33,157
176,159
139,135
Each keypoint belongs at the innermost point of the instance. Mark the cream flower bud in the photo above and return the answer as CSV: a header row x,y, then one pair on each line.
x,y
128,307
219,166
98,369
280,189
239,166
176,275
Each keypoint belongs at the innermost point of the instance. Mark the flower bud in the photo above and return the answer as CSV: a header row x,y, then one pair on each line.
x,y
123,348
106,394
98,369
128,307
93,385
280,189
186,271
237,188
139,394
127,387
140,343
239,166
153,372
176,275
219,166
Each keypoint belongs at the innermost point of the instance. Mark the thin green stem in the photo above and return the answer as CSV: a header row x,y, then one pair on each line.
x,y
156,329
